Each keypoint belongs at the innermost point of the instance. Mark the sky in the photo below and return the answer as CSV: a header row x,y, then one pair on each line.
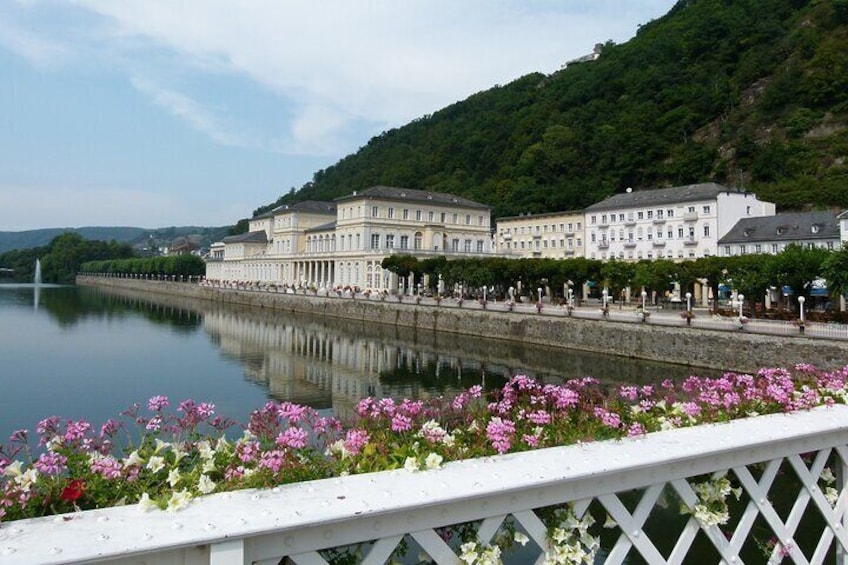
x,y
157,113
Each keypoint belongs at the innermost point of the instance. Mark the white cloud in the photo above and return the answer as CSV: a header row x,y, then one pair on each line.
x,y
339,62
190,111
37,50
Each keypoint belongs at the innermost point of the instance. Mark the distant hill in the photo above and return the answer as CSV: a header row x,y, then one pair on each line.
x,y
747,93
139,238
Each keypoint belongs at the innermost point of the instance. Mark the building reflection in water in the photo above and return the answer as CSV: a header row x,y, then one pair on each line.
x,y
334,363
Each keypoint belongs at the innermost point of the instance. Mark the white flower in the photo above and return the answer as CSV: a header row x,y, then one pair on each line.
x,y
160,445
520,538
411,464
473,426
208,466
13,469
204,448
827,476
222,444
469,552
831,495
179,500
173,477
205,484
609,523
133,459
27,479
449,440
54,443
178,453
156,463
145,504
433,461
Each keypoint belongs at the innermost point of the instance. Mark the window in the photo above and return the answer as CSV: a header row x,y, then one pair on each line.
x,y
706,209
467,246
579,225
405,214
659,214
604,219
375,241
727,250
391,213
621,217
358,242
669,213
706,231
468,219
546,244
680,233
443,217
579,242
418,215
390,241
691,209
431,216
593,220
670,233
455,245
830,245
417,241
375,211
570,227
479,220
742,249
592,237
758,248
453,218
480,246
650,214
748,210
404,242
630,236
639,234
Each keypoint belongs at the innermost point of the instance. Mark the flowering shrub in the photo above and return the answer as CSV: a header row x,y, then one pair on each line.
x,y
157,457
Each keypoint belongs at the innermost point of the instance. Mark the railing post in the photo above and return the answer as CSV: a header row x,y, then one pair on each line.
x,y
841,475
227,552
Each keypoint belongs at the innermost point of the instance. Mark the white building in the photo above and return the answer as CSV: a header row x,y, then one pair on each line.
x,y
343,243
558,235
682,222
772,234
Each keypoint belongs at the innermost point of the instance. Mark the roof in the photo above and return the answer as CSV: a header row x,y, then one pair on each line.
x,y
249,237
309,206
323,227
784,227
662,196
413,195
530,216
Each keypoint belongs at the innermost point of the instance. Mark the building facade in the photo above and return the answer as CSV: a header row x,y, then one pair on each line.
x,y
343,243
558,235
683,222
772,234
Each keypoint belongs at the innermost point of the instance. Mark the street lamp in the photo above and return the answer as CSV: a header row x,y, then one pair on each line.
x,y
644,296
688,301
741,298
604,297
801,301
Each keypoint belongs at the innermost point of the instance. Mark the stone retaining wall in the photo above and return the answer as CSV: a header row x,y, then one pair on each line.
x,y
688,346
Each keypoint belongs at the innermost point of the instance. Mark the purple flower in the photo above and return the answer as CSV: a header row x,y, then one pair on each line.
x,y
609,419
51,463
355,440
108,467
273,460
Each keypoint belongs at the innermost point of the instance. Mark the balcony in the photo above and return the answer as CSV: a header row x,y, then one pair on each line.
x,y
629,222
568,252
690,241
659,220
603,244
629,244
690,217
659,243
507,236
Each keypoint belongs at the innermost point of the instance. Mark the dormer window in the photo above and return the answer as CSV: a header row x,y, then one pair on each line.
x,y
814,228
780,231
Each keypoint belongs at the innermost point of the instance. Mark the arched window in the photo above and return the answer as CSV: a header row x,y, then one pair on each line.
x,y
418,240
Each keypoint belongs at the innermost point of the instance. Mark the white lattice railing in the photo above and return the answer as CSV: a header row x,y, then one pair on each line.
x,y
789,508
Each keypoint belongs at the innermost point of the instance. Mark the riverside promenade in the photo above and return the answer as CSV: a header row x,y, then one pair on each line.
x,y
663,335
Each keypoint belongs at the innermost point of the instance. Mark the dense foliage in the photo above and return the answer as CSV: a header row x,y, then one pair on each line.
x,y
185,265
749,93
61,258
796,268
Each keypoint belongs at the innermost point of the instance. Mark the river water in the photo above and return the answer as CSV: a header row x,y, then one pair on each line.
x,y
88,353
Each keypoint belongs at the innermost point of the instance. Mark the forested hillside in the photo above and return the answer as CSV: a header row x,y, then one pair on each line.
x,y
750,93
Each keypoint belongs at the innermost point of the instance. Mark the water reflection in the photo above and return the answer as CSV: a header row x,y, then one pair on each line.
x,y
330,363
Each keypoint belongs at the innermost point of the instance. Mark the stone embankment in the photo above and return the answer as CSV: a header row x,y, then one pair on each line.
x,y
739,351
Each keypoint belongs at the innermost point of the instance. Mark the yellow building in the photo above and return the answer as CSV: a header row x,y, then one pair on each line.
x,y
557,235
343,243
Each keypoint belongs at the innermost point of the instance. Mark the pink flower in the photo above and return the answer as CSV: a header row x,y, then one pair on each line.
x,y
51,463
157,403
76,430
273,460
293,437
108,467
500,432
401,423
609,419
355,440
